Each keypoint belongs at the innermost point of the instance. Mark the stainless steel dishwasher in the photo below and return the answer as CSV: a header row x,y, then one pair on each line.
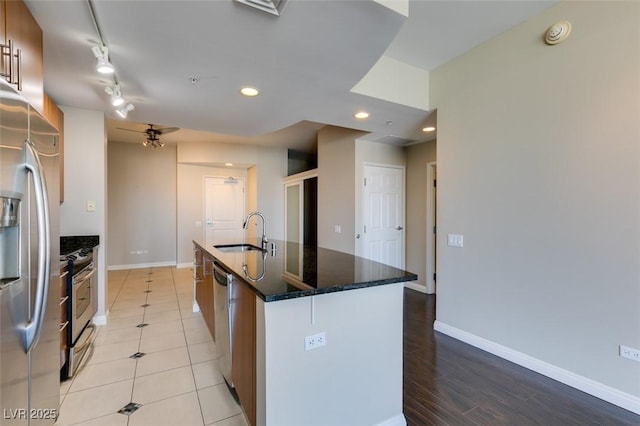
x,y
223,319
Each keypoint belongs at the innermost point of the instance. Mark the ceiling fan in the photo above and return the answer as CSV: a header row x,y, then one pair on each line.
x,y
153,135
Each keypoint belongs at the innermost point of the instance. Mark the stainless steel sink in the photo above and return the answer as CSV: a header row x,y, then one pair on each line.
x,y
237,248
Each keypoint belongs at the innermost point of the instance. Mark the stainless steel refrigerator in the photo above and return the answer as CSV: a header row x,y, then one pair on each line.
x,y
29,264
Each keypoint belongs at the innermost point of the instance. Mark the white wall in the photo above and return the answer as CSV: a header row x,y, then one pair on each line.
x,y
85,168
356,379
142,206
539,169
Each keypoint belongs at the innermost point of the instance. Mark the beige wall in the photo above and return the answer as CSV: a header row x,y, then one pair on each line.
x,y
264,169
539,169
417,158
156,196
190,188
342,156
336,187
142,205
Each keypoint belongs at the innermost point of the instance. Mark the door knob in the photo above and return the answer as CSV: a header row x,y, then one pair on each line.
x,y
399,228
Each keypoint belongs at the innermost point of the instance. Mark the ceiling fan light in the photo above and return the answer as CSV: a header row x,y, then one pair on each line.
x,y
124,111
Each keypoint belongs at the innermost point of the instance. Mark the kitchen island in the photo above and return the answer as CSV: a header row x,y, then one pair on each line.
x,y
317,334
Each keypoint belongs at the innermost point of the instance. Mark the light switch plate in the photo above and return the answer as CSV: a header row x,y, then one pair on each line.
x,y
455,240
91,206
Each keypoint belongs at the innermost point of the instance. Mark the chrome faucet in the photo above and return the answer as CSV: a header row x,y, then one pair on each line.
x,y
264,227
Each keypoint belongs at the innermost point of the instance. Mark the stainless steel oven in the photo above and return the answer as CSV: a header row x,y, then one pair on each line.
x,y
82,310
82,286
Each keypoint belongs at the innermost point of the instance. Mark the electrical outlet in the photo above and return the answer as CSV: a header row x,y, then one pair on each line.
x,y
631,353
455,240
315,341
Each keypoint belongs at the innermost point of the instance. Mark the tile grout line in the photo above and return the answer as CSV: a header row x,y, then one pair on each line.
x,y
193,376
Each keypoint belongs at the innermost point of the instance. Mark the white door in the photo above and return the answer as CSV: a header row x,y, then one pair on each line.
x,y
384,215
224,210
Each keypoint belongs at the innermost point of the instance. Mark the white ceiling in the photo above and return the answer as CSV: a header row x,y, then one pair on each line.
x,y
304,62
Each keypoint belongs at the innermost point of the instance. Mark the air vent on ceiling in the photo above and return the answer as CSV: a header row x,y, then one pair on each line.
x,y
394,140
271,6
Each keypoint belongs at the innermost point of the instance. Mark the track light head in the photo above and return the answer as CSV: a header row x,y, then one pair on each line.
x,y
123,111
116,95
102,55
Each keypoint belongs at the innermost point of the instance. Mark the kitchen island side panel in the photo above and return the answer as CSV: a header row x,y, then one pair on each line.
x,y
356,379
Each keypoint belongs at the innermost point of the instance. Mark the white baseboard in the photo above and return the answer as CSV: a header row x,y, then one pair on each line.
x,y
141,265
398,420
100,319
416,286
195,307
184,265
597,389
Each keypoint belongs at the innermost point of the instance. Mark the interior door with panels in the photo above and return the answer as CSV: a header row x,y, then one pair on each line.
x,y
224,210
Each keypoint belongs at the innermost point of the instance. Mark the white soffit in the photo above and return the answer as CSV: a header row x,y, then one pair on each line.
x,y
399,6
395,81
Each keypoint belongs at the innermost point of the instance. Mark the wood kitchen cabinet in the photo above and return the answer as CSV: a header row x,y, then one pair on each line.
x,y
64,320
21,29
56,117
3,21
243,332
204,288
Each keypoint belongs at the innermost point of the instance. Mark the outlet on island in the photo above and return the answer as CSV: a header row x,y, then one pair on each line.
x,y
315,341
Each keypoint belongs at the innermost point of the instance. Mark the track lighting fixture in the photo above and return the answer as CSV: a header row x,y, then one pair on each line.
x,y
102,55
123,111
116,95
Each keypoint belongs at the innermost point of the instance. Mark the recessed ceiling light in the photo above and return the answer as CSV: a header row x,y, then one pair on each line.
x,y
249,91
228,164
428,129
361,114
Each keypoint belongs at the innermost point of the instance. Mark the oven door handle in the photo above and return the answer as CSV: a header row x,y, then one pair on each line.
x,y
84,277
31,330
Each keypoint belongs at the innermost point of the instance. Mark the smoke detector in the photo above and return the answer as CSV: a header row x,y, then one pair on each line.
x,y
270,6
557,32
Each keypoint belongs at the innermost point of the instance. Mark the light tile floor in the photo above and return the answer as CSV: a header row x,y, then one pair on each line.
x,y
176,382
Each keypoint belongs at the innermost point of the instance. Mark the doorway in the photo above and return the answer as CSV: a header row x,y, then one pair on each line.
x,y
432,228
223,210
384,214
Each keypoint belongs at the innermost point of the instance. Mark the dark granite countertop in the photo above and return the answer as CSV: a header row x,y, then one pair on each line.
x,y
72,243
298,271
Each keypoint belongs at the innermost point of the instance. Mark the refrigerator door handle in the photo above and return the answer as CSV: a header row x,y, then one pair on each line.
x,y
31,330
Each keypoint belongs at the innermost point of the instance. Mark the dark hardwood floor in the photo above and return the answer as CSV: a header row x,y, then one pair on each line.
x,y
448,382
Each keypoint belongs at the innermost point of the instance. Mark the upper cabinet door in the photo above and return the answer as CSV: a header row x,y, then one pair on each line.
x,y
26,36
3,22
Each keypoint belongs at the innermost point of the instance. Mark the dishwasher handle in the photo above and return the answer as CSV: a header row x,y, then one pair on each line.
x,y
221,276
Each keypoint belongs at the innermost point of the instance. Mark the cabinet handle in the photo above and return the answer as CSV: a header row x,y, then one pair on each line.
x,y
18,81
7,51
64,325
63,299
